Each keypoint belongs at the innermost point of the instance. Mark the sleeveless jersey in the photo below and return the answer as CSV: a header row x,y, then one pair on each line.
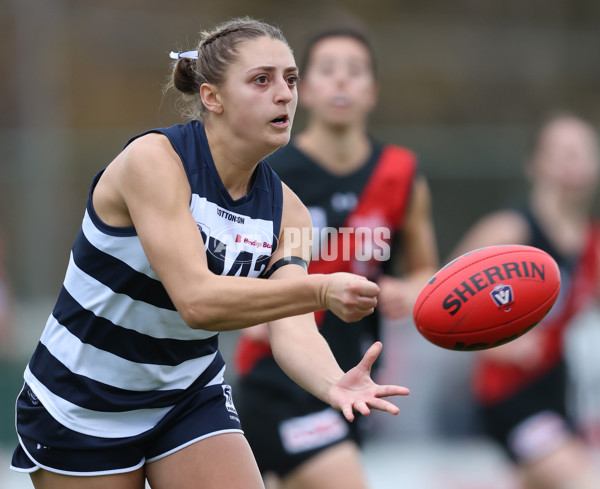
x,y
366,209
115,355
494,382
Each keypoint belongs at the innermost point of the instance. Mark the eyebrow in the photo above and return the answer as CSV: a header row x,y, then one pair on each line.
x,y
270,69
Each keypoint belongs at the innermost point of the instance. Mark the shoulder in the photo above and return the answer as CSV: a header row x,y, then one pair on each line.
x,y
398,150
507,226
149,142
398,154
506,218
396,162
149,152
150,161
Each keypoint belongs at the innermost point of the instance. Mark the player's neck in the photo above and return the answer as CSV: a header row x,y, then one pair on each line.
x,y
564,222
340,152
551,202
234,163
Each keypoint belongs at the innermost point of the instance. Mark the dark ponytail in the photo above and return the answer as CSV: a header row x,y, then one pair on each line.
x,y
185,78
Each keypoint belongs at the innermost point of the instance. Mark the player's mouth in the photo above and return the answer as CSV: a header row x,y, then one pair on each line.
x,y
340,101
282,121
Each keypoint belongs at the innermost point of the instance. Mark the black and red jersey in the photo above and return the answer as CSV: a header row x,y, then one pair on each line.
x,y
356,219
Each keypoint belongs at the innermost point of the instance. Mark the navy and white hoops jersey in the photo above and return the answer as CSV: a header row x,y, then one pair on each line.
x,y
115,355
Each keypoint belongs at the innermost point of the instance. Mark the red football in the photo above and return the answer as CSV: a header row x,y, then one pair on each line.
x,y
487,297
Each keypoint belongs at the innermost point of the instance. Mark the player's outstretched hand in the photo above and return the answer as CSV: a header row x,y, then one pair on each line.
x,y
350,297
356,391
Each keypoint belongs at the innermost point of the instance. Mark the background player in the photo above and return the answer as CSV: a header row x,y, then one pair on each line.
x,y
127,380
521,386
350,182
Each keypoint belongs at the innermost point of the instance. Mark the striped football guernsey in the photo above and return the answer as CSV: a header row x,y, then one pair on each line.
x,y
115,355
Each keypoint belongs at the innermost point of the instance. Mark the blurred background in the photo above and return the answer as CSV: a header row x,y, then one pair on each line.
x,y
463,83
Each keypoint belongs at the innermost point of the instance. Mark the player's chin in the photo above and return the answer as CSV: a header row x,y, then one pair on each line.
x,y
278,138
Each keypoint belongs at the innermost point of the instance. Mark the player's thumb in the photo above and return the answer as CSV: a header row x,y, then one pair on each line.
x,y
371,355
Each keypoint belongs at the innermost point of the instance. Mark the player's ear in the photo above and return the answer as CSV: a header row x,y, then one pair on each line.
x,y
211,98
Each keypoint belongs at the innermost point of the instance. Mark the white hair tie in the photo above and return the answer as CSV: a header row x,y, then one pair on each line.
x,y
184,54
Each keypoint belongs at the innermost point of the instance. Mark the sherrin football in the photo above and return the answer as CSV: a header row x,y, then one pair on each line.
x,y
487,297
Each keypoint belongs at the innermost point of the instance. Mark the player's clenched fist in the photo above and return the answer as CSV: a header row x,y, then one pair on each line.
x,y
350,297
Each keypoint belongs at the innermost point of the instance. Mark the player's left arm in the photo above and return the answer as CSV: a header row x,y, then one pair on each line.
x,y
299,348
415,260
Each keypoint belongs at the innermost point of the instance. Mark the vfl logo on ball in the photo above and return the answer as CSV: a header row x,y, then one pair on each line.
x,y
503,296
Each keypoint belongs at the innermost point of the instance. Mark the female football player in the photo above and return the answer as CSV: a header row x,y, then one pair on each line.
x,y
126,383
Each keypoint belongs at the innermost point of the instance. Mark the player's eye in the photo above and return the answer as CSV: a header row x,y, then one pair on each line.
x,y
327,70
262,79
292,80
355,69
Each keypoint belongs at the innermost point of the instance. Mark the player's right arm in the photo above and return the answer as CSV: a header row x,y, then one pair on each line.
x,y
147,187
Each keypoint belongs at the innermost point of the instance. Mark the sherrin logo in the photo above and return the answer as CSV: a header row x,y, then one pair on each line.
x,y
503,296
495,277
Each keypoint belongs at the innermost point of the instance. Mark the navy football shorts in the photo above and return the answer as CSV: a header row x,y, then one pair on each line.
x,y
45,443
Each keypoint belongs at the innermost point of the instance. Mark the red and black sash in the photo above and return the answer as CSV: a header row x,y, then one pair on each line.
x,y
383,203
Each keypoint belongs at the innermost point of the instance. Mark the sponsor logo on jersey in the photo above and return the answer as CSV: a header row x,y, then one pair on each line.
x,y
236,245
230,216
253,241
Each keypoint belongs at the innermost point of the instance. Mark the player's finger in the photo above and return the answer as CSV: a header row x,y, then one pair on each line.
x,y
368,289
348,412
392,390
383,405
362,408
365,302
